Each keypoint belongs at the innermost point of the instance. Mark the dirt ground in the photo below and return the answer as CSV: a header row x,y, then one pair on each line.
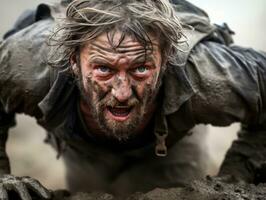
x,y
208,189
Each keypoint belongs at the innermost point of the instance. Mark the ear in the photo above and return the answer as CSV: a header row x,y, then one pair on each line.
x,y
74,66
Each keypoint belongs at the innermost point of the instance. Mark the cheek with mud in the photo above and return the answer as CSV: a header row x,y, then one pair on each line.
x,y
99,91
148,90
101,97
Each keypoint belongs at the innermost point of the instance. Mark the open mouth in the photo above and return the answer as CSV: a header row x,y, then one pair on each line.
x,y
120,113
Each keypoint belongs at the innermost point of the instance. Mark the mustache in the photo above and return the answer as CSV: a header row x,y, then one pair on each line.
x,y
113,102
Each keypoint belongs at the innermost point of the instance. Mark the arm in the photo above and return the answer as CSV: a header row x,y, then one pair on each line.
x,y
230,85
7,181
6,121
24,81
246,158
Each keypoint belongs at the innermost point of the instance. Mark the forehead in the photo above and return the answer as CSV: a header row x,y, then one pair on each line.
x,y
119,43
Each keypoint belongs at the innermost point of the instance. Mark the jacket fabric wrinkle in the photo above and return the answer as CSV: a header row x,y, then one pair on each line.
x,y
50,94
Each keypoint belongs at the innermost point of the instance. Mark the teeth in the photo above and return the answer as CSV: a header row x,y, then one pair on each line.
x,y
122,107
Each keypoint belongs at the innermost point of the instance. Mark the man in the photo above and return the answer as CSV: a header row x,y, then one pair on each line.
x,y
127,83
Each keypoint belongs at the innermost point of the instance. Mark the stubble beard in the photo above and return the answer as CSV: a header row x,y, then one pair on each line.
x,y
111,128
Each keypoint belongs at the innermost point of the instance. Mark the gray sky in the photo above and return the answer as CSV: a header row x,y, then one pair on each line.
x,y
245,17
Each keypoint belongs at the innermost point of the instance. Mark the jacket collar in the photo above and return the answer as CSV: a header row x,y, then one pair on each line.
x,y
176,89
59,99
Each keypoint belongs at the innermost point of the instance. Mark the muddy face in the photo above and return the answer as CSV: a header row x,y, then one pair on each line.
x,y
118,85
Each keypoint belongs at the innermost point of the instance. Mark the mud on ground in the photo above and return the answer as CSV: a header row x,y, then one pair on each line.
x,y
208,189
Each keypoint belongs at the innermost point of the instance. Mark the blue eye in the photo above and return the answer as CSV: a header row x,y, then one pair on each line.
x,y
104,69
141,69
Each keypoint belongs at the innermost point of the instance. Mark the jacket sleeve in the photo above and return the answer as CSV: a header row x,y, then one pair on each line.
x,y
246,158
24,72
6,121
229,84
24,78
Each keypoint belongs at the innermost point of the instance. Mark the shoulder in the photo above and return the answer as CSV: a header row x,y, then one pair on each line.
x,y
24,72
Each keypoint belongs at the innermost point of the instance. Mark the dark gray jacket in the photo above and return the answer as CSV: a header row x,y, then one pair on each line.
x,y
214,84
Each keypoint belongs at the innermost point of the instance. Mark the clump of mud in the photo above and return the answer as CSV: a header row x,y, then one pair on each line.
x,y
207,189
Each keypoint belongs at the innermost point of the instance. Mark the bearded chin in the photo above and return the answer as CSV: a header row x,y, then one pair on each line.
x,y
111,128
121,131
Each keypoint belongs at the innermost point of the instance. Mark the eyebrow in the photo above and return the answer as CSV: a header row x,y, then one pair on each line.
x,y
142,59
123,49
139,60
100,61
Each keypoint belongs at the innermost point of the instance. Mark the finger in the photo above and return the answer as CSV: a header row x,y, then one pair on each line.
x,y
37,187
21,189
3,193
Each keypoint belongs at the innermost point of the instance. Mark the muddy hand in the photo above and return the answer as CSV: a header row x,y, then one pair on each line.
x,y
21,185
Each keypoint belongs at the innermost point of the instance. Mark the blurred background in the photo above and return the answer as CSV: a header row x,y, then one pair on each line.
x,y
30,156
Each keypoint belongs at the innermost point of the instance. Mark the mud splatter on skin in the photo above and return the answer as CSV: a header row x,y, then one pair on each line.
x,y
141,114
123,76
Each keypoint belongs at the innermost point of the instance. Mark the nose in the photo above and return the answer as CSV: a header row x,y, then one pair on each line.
x,y
122,88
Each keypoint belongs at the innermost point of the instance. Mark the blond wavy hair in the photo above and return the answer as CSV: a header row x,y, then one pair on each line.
x,y
87,19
